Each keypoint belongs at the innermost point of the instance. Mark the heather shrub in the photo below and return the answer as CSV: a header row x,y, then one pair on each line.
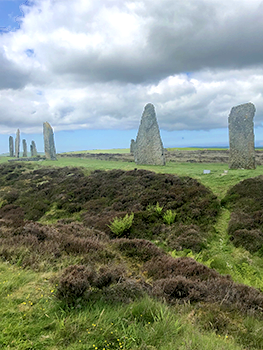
x,y
36,230
74,282
11,196
168,267
78,245
51,245
220,290
179,288
235,296
239,221
125,291
141,249
181,237
13,215
251,240
108,275
246,225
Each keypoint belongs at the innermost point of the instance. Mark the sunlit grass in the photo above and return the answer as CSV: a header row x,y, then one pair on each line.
x,y
32,318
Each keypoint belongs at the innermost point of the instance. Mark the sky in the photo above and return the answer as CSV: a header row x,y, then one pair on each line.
x,y
89,68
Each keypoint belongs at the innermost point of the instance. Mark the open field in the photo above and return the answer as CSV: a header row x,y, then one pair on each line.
x,y
48,223
218,181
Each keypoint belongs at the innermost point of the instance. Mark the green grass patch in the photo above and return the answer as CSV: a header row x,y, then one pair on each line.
x,y
32,318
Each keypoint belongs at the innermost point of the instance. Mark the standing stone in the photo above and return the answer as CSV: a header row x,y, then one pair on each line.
x,y
24,148
17,143
132,146
50,150
241,137
148,146
33,149
11,146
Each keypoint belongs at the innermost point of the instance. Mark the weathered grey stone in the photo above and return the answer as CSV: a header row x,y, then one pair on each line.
x,y
148,146
50,150
17,144
241,137
33,149
11,146
132,146
24,148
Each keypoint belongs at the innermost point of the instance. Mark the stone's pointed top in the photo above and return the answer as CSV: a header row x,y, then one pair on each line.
x,y
149,111
47,125
149,106
149,117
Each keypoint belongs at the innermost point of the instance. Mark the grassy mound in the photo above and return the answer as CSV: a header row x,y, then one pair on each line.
x,y
163,205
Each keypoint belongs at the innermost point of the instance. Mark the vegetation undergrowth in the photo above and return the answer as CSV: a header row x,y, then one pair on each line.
x,y
67,280
32,318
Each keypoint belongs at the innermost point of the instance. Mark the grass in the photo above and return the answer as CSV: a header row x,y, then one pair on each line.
x,y
114,150
218,181
33,318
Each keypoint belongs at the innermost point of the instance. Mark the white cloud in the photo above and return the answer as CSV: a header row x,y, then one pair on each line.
x,y
87,64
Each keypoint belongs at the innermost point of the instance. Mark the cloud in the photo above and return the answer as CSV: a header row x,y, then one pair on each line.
x,y
12,75
86,64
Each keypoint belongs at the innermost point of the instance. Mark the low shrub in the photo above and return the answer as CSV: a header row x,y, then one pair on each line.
x,y
141,249
179,288
181,237
125,291
108,275
246,225
74,282
168,267
251,240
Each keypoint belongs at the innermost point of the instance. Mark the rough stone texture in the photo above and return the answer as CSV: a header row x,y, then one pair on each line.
x,y
33,149
132,146
148,146
11,146
17,144
24,148
50,150
241,137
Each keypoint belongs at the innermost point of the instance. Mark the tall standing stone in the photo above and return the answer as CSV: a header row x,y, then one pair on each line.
x,y
148,145
132,146
50,150
11,146
24,148
17,143
33,149
241,137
